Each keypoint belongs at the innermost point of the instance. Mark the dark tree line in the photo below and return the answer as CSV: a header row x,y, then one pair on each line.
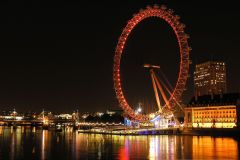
x,y
116,118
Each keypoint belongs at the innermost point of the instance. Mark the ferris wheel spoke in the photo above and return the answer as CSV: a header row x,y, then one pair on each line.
x,y
156,92
161,90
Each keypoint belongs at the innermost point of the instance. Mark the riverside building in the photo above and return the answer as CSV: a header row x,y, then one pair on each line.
x,y
213,111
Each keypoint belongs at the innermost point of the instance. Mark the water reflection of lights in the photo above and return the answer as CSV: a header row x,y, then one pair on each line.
x,y
214,148
162,147
16,139
77,146
47,144
22,129
34,129
12,145
124,151
1,130
44,145
154,148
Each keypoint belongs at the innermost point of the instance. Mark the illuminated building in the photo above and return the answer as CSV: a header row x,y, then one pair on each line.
x,y
160,122
99,114
64,116
210,78
213,111
112,112
11,115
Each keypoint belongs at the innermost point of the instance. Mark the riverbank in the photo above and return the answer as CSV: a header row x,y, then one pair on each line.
x,y
229,132
232,132
172,131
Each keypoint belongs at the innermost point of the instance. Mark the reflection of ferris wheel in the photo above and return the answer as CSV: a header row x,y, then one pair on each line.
x,y
178,28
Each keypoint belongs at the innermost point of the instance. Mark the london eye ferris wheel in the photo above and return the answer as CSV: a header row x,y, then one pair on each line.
x,y
174,97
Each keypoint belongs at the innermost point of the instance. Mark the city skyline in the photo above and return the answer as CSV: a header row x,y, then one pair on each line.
x,y
60,58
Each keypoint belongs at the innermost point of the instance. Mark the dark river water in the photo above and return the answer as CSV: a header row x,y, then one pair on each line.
x,y
31,143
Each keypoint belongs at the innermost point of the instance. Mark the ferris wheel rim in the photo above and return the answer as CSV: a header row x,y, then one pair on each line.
x,y
173,20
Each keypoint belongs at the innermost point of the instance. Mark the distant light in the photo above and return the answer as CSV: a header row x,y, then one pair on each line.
x,y
19,118
139,110
152,115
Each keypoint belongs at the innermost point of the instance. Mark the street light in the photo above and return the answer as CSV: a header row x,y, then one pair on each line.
x,y
139,110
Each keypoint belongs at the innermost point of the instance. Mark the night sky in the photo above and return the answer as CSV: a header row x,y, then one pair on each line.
x,y
59,56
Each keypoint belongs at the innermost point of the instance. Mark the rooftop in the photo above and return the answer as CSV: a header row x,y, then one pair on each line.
x,y
215,100
210,62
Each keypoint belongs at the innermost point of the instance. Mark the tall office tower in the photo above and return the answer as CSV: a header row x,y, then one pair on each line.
x,y
210,78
